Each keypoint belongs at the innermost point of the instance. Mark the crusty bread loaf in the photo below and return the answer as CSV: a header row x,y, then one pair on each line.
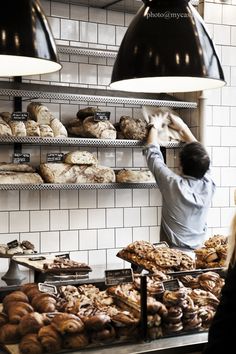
x,y
100,129
20,178
75,127
86,112
15,167
46,131
80,158
66,173
18,128
40,113
32,128
134,176
58,128
5,129
133,128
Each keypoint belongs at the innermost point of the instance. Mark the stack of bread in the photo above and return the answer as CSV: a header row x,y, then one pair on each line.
x,y
134,176
132,128
213,254
41,123
78,167
86,126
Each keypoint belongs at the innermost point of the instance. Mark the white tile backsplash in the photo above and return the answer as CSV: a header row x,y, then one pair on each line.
x,y
39,220
50,199
123,237
87,239
140,197
78,219
149,216
59,220
69,240
114,217
9,200
141,233
96,218
4,222
88,32
50,242
19,221
106,34
131,217
70,30
106,238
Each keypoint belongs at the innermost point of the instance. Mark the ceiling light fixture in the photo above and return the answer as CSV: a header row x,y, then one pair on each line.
x,y
167,48
27,46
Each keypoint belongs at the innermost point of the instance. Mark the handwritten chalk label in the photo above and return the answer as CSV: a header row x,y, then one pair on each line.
x,y
21,158
118,276
55,157
20,116
12,244
172,284
47,288
63,256
101,116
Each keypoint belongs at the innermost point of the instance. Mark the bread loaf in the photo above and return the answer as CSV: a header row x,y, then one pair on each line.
x,y
75,127
20,178
133,128
15,167
9,334
100,129
40,113
18,128
134,176
80,158
65,173
46,131
5,129
32,128
58,128
86,112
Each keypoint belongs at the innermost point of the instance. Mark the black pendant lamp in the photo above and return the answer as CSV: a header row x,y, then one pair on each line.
x,y
27,46
167,49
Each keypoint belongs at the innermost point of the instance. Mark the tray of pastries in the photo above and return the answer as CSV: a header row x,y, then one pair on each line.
x,y
53,264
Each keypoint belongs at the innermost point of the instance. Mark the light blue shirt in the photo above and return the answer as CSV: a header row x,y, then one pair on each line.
x,y
186,201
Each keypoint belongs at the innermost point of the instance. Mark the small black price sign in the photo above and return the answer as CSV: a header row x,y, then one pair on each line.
x,y
21,158
12,244
118,276
101,116
172,284
63,256
47,288
55,157
161,244
20,116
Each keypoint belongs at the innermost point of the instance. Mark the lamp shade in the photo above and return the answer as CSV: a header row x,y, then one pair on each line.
x,y
27,46
167,48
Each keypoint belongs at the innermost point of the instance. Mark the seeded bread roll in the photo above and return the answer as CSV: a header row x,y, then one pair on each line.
x,y
46,131
18,128
5,129
80,158
100,129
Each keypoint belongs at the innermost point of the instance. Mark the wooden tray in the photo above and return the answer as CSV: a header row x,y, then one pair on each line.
x,y
38,265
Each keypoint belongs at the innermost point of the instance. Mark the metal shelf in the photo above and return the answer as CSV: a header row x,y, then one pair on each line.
x,y
80,142
40,91
87,51
73,186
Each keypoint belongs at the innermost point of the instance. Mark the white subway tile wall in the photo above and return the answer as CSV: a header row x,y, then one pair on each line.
x,y
94,225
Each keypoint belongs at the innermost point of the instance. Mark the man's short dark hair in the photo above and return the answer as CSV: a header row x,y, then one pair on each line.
x,y
194,160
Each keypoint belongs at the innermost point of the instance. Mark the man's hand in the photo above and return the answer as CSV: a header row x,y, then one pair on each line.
x,y
177,123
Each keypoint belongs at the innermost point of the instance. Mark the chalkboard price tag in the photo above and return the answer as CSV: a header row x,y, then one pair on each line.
x,y
118,276
47,288
55,157
161,244
63,256
101,116
20,116
12,244
172,284
21,158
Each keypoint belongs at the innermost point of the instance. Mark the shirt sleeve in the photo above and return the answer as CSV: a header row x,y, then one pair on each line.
x,y
156,164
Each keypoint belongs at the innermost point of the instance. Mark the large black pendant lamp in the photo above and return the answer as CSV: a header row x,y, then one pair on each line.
x,y
27,46
167,49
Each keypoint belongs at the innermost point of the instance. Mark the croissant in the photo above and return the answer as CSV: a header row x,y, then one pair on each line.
x,y
17,310
14,296
31,292
26,287
105,335
75,341
96,322
50,339
44,302
67,323
32,322
9,334
30,344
